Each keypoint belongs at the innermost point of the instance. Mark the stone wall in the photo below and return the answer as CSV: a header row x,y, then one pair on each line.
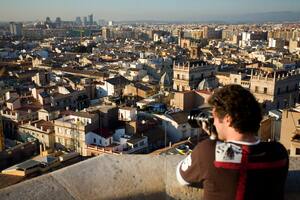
x,y
120,177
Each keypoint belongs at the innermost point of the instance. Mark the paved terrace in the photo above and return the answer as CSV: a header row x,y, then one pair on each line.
x,y
121,177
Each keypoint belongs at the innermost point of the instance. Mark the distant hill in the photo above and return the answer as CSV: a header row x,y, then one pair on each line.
x,y
283,16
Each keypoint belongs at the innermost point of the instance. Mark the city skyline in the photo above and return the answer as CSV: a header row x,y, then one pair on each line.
x,y
168,10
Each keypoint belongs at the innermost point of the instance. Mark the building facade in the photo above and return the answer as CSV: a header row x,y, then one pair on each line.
x,y
188,75
276,90
70,131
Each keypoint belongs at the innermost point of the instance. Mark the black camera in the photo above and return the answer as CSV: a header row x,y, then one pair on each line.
x,y
199,115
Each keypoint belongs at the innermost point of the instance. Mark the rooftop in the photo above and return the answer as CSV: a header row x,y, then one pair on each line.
x,y
180,117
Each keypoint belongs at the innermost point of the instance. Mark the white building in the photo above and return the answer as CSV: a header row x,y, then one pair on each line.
x,y
114,86
177,127
272,43
127,114
99,137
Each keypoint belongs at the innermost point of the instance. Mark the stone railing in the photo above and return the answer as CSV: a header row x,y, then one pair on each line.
x,y
121,177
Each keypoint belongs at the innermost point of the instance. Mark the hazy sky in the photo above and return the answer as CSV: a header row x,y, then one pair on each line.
x,y
22,10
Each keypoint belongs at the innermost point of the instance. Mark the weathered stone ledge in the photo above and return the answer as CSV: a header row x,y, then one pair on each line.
x,y
121,177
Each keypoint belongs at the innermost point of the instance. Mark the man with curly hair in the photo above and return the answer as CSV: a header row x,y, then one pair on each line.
x,y
237,165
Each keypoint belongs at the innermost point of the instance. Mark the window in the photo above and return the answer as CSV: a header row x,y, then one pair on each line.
x,y
278,90
287,88
256,88
178,76
142,143
182,77
297,151
94,140
235,80
265,90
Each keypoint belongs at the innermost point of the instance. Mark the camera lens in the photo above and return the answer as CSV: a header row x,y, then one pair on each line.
x,y
198,115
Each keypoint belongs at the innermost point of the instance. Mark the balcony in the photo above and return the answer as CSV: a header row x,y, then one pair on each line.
x,y
121,177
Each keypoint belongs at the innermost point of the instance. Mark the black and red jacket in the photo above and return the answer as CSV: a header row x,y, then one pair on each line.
x,y
236,170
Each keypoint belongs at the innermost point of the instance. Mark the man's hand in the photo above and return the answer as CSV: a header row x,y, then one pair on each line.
x,y
205,127
211,131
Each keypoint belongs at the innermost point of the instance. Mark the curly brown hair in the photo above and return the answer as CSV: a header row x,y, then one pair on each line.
x,y
240,105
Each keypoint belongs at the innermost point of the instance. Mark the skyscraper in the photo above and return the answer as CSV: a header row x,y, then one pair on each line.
x,y
15,28
91,20
85,22
78,21
58,21
105,33
48,20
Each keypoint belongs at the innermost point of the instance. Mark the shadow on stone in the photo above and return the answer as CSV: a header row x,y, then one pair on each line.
x,y
153,196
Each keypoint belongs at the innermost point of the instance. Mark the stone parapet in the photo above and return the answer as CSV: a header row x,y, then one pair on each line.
x,y
121,177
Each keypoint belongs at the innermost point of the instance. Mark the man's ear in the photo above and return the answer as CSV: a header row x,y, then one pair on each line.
x,y
227,119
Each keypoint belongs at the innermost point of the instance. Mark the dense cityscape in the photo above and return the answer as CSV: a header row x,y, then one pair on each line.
x,y
72,90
